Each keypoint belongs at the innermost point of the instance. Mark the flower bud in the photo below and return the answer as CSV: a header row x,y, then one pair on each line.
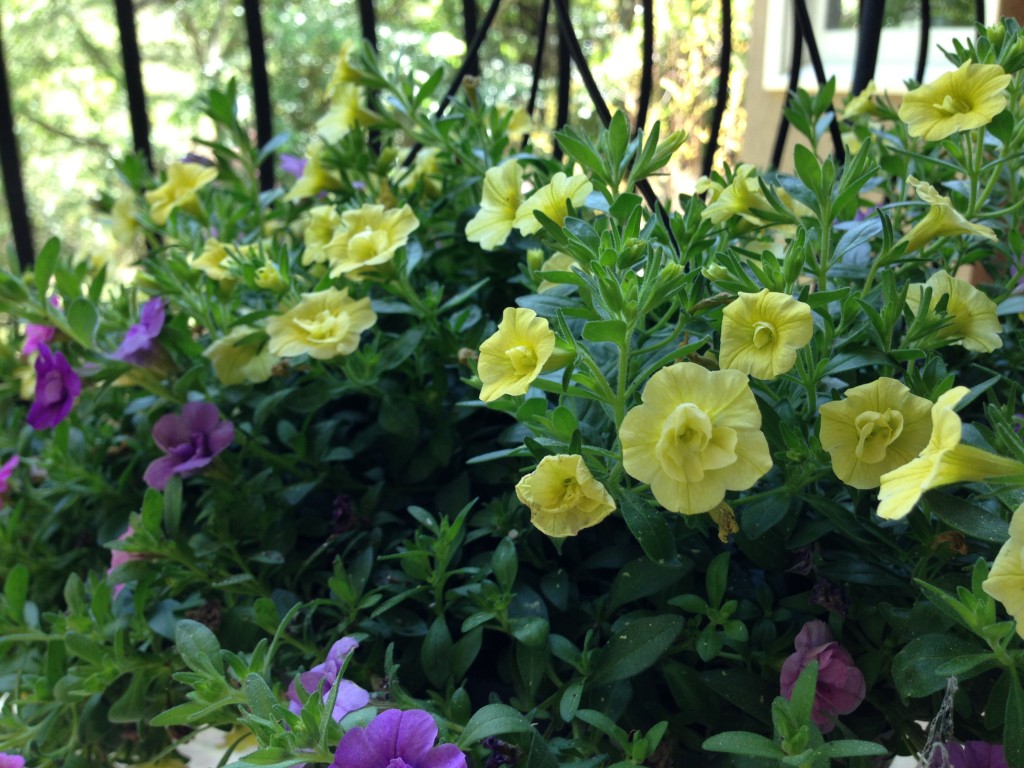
x,y
560,357
715,272
534,259
269,278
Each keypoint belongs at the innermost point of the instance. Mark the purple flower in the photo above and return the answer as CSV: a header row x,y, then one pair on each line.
x,y
139,346
976,754
190,439
11,761
350,696
841,686
292,165
6,471
37,335
397,739
57,386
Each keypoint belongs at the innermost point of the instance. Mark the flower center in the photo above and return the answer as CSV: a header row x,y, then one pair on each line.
x,y
53,388
690,444
953,105
367,244
876,432
325,327
764,334
523,359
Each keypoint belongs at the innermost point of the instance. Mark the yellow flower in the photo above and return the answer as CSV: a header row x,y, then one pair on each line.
x,y
696,435
179,191
513,357
942,219
551,201
323,325
344,72
559,262
761,333
315,178
346,111
26,376
943,461
520,122
322,221
269,278
369,236
1005,581
956,101
861,104
123,223
876,428
563,497
213,260
424,168
975,325
742,197
502,197
238,358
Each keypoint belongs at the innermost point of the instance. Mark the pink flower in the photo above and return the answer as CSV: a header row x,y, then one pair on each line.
x,y
5,475
841,686
11,761
119,557
190,439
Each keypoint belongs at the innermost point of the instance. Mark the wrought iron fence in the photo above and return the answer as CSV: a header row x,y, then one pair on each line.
x,y
569,52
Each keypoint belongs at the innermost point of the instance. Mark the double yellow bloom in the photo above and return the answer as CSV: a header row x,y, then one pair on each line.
x,y
323,325
563,497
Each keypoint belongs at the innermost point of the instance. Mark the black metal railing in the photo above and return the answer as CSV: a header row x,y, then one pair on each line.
x,y
570,54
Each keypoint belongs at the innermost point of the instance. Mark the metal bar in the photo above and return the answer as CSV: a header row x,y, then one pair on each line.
x,y
794,79
722,93
471,56
569,40
564,86
647,69
133,79
261,88
819,72
10,166
469,14
872,14
538,61
922,51
368,20
979,11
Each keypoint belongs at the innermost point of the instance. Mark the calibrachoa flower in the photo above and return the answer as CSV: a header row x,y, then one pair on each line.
x,y
6,470
57,386
695,436
139,346
36,336
11,761
551,201
973,754
322,221
742,197
212,260
502,197
292,164
124,225
861,104
942,462
323,325
119,557
396,739
237,358
369,236
1005,581
975,325
344,113
563,497
350,696
190,439
761,333
841,686
876,428
942,219
315,178
515,355
179,191
956,101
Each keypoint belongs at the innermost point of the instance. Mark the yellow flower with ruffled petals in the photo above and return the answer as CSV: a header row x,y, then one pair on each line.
x,y
322,223
943,461
695,435
238,358
323,325
876,428
551,201
515,355
369,236
975,324
942,219
563,497
957,101
761,333
179,191
502,197
1005,581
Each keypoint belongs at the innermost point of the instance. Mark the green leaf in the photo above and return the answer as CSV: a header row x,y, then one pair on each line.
x,y
83,318
715,579
261,699
648,527
850,748
636,647
131,706
435,653
915,668
491,720
641,578
977,522
198,647
172,506
744,743
1013,727
46,263
179,715
16,592
613,331
605,725
807,168
569,704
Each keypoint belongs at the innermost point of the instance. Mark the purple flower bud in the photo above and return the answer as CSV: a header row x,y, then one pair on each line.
x,y
292,165
841,686
6,471
350,696
139,346
57,386
190,439
397,739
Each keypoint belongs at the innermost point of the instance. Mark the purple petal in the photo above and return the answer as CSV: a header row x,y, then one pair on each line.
x,y
359,750
152,316
170,431
414,734
159,472
292,165
36,336
350,698
200,417
813,634
342,649
444,756
220,437
191,465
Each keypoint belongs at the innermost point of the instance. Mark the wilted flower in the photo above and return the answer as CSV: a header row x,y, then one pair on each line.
x,y
315,178
515,354
322,221
551,201
397,739
350,696
6,470
11,761
139,346
957,101
942,219
876,428
238,358
323,325
841,686
695,436
502,197
942,462
563,497
761,333
369,236
213,260
1005,581
179,191
57,386
975,325
190,439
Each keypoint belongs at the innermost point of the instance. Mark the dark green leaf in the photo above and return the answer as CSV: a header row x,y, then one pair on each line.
x,y
636,647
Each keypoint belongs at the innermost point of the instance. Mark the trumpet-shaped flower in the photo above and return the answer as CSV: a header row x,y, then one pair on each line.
x,y
502,197
943,461
179,191
369,236
515,355
344,72
6,470
213,260
315,178
346,111
57,386
551,201
695,435
761,333
942,219
238,358
742,197
397,739
861,104
876,428
558,262
424,169
975,325
1005,581
322,325
956,101
322,222
563,497
139,346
